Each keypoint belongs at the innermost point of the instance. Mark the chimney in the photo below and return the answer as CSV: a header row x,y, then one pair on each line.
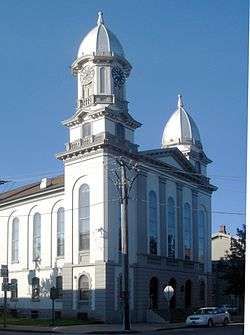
x,y
222,229
45,182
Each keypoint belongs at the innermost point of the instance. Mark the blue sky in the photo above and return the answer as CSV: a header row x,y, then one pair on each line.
x,y
196,48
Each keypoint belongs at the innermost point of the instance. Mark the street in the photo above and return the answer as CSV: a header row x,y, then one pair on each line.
x,y
230,330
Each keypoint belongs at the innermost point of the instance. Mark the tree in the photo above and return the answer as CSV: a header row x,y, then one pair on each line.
x,y
233,266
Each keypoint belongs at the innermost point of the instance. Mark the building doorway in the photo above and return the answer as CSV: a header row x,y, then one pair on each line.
x,y
188,293
172,303
153,293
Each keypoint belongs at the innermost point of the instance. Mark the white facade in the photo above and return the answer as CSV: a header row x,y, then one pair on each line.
x,y
221,244
169,207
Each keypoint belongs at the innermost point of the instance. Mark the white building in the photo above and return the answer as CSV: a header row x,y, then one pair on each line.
x,y
65,231
221,243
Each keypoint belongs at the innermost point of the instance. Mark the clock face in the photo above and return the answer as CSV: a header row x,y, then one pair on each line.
x,y
118,76
86,75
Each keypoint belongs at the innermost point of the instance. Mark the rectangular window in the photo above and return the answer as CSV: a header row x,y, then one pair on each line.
x,y
86,129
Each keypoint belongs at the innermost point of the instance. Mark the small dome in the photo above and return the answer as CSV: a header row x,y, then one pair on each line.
x,y
100,41
181,129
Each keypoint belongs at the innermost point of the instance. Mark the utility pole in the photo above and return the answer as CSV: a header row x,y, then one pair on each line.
x,y
124,182
125,259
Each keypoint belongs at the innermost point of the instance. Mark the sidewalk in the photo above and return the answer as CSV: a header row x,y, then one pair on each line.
x,y
94,328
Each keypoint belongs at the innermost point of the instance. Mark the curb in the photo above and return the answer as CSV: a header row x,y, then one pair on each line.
x,y
170,328
114,332
7,329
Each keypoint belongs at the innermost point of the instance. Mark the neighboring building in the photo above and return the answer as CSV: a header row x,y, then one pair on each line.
x,y
65,231
221,243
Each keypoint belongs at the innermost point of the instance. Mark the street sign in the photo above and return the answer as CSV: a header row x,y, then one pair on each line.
x,y
4,271
168,292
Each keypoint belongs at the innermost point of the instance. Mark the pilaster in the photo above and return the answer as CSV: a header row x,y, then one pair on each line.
x,y
179,216
163,221
195,224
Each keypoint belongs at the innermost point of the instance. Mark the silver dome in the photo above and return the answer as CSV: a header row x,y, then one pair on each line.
x,y
181,129
100,41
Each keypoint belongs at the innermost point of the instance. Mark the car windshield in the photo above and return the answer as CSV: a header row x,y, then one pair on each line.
x,y
202,311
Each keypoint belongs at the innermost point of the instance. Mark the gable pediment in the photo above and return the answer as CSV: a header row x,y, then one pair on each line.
x,y
171,156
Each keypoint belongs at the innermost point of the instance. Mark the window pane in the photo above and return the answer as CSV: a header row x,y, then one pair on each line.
x,y
84,291
201,235
15,240
84,217
86,129
36,236
102,80
60,232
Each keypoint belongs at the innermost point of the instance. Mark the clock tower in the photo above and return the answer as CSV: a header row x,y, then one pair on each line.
x,y
101,70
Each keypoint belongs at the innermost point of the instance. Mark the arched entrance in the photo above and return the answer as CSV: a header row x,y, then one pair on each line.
x,y
172,304
153,293
188,293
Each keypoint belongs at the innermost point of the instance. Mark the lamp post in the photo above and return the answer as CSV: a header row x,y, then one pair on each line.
x,y
123,180
168,294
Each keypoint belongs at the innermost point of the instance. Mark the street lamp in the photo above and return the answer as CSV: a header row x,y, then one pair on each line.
x,y
168,294
125,174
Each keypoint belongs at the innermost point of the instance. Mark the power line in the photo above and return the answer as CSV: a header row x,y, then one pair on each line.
x,y
117,200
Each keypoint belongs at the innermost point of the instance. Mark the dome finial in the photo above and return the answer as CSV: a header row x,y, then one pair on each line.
x,y
180,102
100,18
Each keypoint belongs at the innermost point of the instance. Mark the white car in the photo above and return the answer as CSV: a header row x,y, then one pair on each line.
x,y
208,316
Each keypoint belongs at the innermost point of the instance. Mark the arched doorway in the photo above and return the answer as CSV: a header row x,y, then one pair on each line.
x,y
188,293
172,304
153,293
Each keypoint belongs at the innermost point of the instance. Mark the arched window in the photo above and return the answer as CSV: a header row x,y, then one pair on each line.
x,y
201,235
60,232
202,290
171,228
152,223
153,292
37,236
102,80
15,240
84,289
172,303
187,232
84,218
35,288
188,293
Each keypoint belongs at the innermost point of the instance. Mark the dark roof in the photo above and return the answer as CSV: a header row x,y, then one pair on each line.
x,y
31,189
